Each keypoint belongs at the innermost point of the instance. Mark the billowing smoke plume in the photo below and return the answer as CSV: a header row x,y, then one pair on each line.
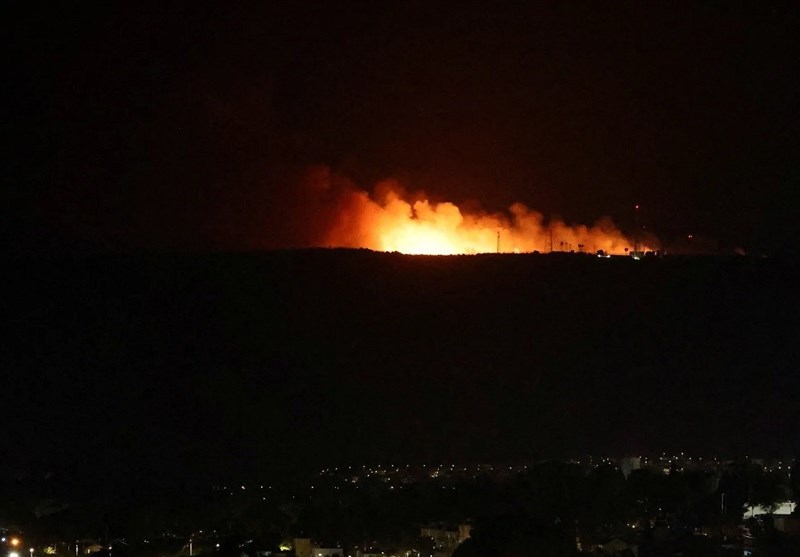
x,y
393,219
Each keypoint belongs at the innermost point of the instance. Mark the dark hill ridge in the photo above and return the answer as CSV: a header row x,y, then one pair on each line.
x,y
201,366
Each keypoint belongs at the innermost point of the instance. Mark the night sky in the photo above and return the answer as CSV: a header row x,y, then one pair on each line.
x,y
158,151
189,128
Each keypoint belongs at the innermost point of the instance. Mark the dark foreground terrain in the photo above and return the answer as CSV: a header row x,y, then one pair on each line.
x,y
204,368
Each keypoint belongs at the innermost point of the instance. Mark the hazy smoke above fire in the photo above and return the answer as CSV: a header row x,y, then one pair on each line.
x,y
392,217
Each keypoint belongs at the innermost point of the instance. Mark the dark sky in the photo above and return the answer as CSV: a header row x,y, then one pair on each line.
x,y
186,127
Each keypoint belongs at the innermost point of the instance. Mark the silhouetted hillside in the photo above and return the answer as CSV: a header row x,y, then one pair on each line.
x,y
200,367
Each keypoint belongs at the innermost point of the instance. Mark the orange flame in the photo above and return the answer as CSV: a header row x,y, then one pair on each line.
x,y
389,221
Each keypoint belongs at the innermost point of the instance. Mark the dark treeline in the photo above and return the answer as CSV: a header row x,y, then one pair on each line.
x,y
547,507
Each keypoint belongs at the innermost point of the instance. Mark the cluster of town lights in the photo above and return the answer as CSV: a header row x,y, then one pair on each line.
x,y
14,542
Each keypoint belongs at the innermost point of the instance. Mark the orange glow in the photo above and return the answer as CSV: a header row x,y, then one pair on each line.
x,y
391,220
